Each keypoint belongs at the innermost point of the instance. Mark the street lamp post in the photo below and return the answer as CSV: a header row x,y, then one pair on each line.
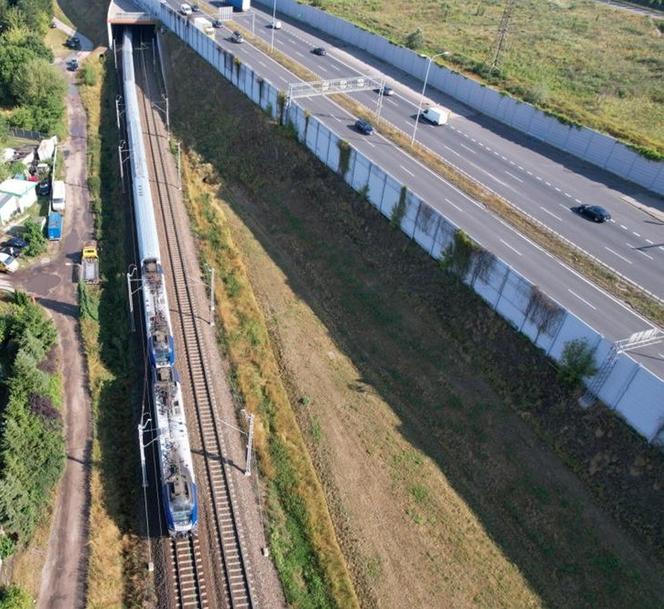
x,y
424,86
274,19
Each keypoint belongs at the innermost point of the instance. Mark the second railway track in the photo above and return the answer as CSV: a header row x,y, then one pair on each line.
x,y
224,537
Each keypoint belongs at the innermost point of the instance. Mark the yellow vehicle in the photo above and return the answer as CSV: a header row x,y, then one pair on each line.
x,y
90,262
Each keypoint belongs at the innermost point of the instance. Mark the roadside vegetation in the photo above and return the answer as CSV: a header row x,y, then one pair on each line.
x,y
117,561
582,61
32,90
31,431
457,469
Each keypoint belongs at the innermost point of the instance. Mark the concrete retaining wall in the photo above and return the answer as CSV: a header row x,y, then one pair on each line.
x,y
601,150
633,391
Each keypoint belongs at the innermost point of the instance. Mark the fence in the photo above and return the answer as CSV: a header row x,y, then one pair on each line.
x,y
597,148
633,391
26,134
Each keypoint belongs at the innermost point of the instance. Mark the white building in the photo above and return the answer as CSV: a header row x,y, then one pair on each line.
x,y
15,197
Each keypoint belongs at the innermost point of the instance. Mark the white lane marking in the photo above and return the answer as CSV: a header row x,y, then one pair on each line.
x,y
336,118
558,189
369,143
496,153
636,249
282,78
529,172
512,163
617,254
661,247
450,149
521,168
548,183
299,54
513,176
623,226
323,69
262,63
453,204
583,300
612,220
503,157
569,196
578,201
564,206
508,245
545,210
540,179
480,143
472,138
335,67
391,101
468,148
660,354
635,234
410,173
649,242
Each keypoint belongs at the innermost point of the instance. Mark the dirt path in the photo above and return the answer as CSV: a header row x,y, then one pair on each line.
x,y
53,283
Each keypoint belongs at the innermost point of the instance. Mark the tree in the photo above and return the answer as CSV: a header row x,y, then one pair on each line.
x,y
34,235
577,362
12,60
415,40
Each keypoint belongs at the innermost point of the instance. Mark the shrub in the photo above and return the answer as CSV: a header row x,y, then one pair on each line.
x,y
89,75
577,362
415,40
34,235
13,597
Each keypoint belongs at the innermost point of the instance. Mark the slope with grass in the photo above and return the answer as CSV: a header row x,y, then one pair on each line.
x,y
579,59
458,471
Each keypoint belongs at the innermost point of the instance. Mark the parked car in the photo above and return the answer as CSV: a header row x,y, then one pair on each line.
x,y
276,25
72,65
8,264
387,91
16,243
10,251
43,188
319,51
364,127
237,37
185,9
592,212
73,43
217,23
195,8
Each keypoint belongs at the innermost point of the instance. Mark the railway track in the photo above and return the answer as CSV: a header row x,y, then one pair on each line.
x,y
225,547
189,584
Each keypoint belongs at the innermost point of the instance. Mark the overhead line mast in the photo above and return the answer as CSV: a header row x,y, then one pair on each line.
x,y
503,28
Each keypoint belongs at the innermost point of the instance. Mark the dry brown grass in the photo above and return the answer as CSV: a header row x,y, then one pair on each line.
x,y
594,270
258,379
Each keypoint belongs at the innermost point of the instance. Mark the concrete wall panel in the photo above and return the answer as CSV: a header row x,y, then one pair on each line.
x,y
642,404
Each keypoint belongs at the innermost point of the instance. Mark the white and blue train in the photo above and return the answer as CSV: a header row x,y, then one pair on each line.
x,y
178,486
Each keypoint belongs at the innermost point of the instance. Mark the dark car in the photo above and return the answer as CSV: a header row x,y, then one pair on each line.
x,y
195,8
72,65
16,243
593,212
14,252
237,37
319,51
364,127
387,91
43,188
217,23
73,43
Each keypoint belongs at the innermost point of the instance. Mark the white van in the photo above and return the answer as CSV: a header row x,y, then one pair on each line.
x,y
185,9
8,263
58,198
436,115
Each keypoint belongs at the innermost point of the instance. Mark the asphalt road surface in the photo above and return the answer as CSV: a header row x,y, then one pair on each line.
x,y
594,306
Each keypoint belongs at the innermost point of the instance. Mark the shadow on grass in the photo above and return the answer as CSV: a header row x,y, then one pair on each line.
x,y
454,372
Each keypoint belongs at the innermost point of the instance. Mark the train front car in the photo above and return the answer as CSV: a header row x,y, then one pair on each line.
x,y
178,487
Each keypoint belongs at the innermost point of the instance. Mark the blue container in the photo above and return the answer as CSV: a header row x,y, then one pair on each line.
x,y
54,226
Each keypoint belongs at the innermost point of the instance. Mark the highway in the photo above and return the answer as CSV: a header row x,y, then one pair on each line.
x,y
597,308
512,165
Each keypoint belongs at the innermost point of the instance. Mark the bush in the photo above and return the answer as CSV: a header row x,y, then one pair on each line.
x,y
89,75
415,40
13,597
577,362
34,235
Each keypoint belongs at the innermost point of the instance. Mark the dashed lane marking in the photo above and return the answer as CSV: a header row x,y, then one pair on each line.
x,y
623,226
546,211
451,150
468,148
410,173
453,205
649,242
516,251
513,176
569,196
608,249
636,249
635,234
583,300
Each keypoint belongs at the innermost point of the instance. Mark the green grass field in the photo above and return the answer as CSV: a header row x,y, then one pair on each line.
x,y
592,64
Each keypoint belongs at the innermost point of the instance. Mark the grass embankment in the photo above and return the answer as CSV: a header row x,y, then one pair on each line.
x,y
436,441
538,232
87,17
301,535
32,450
582,61
117,561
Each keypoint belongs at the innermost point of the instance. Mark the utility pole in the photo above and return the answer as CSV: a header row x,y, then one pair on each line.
x,y
179,169
503,28
250,441
211,295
